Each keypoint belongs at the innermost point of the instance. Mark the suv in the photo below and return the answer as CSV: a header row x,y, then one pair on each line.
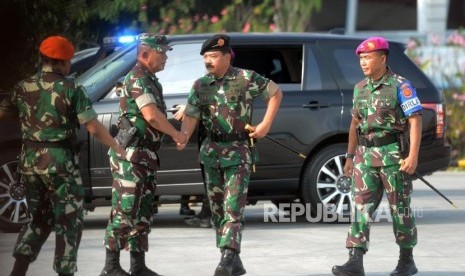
x,y
317,74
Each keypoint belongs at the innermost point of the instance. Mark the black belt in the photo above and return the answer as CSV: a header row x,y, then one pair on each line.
x,y
228,137
48,144
377,142
152,146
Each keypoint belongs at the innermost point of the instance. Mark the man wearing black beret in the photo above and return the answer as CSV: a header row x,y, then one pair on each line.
x,y
222,100
218,42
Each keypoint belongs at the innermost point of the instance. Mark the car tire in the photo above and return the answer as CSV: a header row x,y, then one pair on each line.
x,y
325,187
13,205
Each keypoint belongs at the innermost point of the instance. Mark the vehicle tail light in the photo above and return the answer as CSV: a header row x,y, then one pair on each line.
x,y
440,119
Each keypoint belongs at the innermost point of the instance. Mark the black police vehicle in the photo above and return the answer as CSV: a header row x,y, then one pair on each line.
x,y
317,74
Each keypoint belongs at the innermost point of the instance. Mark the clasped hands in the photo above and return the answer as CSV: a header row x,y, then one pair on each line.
x,y
180,139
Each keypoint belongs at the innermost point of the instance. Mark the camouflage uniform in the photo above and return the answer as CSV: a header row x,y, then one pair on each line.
x,y
135,180
224,107
50,107
382,109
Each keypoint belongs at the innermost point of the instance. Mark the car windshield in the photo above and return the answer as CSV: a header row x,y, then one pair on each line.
x,y
102,76
183,67
78,56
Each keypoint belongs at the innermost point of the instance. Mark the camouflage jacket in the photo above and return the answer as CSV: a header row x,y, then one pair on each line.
x,y
50,107
382,108
224,106
141,87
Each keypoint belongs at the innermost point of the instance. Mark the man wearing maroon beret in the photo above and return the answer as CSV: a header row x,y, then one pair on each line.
x,y
379,157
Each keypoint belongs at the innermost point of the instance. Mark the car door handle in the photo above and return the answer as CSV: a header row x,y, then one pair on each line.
x,y
172,110
315,104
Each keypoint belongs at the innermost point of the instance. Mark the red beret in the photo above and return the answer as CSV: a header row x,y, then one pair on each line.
x,y
374,43
57,47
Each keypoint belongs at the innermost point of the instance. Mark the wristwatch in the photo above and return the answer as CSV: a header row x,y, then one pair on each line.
x,y
350,155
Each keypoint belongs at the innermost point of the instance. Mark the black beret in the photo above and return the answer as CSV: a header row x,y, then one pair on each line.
x,y
217,42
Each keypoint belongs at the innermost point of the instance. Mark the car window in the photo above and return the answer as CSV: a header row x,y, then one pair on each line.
x,y
313,75
346,65
344,62
101,79
405,67
183,67
349,66
281,63
317,73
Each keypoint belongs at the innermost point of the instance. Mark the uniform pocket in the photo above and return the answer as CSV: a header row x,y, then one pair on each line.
x,y
234,98
127,202
385,109
406,180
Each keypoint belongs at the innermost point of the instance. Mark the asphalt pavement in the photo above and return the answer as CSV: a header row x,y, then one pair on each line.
x,y
295,248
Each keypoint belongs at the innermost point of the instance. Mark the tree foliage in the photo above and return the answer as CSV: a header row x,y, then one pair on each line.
x,y
87,22
444,63
295,16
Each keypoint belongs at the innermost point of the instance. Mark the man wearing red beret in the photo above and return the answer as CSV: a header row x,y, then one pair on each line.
x,y
50,108
385,107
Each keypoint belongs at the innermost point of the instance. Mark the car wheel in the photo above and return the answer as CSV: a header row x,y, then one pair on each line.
x,y
324,185
13,206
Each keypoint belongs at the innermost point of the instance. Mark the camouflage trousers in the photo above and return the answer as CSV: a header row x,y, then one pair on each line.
x,y
227,191
55,203
367,190
131,206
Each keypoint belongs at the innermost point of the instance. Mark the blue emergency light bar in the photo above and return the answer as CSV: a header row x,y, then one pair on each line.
x,y
124,39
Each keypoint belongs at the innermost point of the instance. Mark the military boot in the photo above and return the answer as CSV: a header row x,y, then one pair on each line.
x,y
112,266
406,265
21,265
354,266
138,267
238,267
230,264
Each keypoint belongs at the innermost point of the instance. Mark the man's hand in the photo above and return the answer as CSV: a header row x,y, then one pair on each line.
x,y
180,139
181,146
349,167
408,165
179,115
259,131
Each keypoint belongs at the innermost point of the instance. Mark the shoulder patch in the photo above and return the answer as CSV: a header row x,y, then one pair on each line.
x,y
407,92
403,85
406,89
408,99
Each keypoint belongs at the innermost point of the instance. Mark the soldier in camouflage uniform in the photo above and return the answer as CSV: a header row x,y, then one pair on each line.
x,y
385,108
222,100
50,108
143,108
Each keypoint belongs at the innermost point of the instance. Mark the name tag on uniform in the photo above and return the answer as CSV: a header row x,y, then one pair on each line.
x,y
410,105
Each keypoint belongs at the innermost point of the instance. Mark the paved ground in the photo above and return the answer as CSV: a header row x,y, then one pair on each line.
x,y
299,248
